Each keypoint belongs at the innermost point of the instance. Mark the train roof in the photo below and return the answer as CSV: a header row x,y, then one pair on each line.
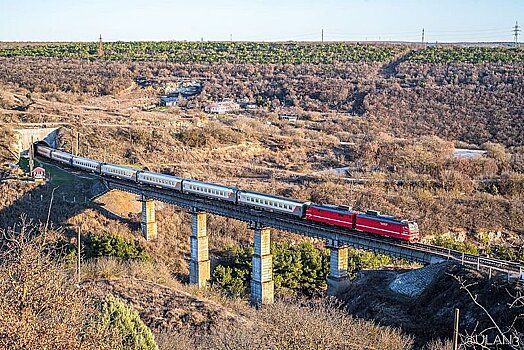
x,y
60,152
209,184
119,167
334,208
86,159
371,214
146,172
273,196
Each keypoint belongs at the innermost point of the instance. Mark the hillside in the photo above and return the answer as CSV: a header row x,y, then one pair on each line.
x,y
430,314
378,128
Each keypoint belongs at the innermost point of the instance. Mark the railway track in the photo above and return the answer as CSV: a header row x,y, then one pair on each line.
x,y
333,235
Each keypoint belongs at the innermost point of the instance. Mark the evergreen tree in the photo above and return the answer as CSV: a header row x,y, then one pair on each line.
x,y
116,315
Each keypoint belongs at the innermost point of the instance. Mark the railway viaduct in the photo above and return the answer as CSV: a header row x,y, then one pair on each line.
x,y
337,239
260,222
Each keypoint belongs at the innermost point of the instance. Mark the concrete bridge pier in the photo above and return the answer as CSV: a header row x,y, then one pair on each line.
x,y
262,285
199,264
148,222
338,279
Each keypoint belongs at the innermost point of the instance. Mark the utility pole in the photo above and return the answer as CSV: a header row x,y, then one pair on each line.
x,y
516,30
322,35
72,143
422,35
78,255
230,37
100,47
456,329
31,157
77,143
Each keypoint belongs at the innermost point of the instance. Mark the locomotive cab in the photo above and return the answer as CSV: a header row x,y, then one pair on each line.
x,y
410,229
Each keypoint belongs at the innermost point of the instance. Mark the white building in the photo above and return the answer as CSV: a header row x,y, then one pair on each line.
x,y
168,100
289,118
222,107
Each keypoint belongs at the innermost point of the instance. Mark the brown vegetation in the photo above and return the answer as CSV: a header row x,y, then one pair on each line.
x,y
394,128
40,305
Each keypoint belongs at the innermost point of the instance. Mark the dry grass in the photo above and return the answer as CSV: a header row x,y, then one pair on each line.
x,y
120,203
287,325
40,305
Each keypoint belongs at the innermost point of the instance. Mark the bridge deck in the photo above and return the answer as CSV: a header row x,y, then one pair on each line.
x,y
335,236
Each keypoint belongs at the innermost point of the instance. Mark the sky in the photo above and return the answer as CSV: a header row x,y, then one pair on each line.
x,y
260,20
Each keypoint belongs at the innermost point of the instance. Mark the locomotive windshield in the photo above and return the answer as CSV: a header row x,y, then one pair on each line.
x,y
413,226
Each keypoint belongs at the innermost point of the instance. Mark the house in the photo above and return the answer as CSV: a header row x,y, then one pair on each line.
x,y
168,100
289,118
38,174
222,107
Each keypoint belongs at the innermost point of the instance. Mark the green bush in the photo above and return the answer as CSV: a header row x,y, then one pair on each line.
x,y
301,268
448,242
117,316
508,253
214,52
297,269
315,267
114,246
231,280
468,54
361,259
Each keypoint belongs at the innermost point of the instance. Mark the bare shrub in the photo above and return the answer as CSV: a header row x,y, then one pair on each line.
x,y
40,305
438,344
288,325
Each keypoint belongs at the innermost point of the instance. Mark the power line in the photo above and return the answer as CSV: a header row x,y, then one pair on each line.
x,y
516,31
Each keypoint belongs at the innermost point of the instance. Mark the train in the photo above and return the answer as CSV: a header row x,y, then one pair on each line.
x,y
369,222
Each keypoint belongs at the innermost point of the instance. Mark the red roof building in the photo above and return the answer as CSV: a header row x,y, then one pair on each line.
x,y
38,173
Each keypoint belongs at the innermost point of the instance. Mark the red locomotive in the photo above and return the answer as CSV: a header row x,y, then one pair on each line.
x,y
371,221
368,222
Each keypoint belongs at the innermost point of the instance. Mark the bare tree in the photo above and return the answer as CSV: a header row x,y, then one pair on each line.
x,y
509,336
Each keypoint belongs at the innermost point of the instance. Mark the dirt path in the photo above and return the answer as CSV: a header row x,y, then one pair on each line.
x,y
390,70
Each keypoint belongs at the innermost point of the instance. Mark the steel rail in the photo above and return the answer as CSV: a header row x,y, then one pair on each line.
x,y
333,235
